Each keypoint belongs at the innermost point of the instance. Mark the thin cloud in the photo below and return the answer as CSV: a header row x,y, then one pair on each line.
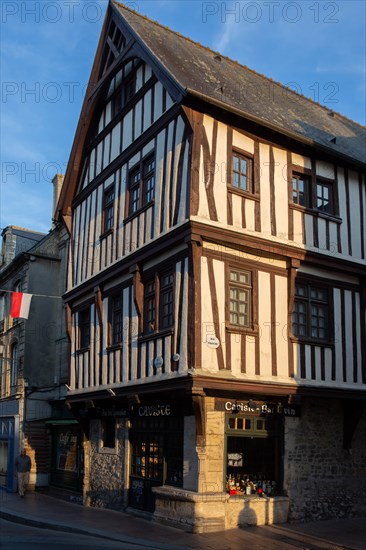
x,y
230,29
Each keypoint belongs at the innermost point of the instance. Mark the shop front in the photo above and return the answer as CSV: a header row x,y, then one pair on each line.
x,y
67,464
238,460
156,443
9,444
254,448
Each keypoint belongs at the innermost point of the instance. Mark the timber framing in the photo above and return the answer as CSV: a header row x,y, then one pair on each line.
x,y
217,266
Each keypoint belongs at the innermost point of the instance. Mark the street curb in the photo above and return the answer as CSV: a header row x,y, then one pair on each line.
x,y
26,520
312,537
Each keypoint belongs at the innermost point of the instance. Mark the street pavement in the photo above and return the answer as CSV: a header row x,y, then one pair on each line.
x,y
44,511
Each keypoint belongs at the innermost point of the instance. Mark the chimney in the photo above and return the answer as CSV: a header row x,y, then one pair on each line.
x,y
57,184
8,248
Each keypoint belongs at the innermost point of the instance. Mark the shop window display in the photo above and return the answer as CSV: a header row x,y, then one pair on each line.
x,y
253,449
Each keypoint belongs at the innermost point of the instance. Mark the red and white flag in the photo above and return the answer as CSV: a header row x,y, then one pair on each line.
x,y
20,304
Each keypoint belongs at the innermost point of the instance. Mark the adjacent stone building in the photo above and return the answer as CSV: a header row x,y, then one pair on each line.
x,y
216,288
34,357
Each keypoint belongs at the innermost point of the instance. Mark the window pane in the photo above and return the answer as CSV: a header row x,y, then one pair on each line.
x,y
134,189
149,179
310,315
149,307
108,209
166,300
239,298
319,294
301,290
129,88
149,189
244,277
241,172
117,322
14,364
149,166
135,199
167,310
150,314
84,328
243,166
301,190
324,197
108,432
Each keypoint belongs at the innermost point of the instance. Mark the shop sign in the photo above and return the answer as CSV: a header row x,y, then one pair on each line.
x,y
154,410
252,408
9,408
114,413
255,408
289,410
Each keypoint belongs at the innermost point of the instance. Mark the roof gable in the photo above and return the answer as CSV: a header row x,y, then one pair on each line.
x,y
219,80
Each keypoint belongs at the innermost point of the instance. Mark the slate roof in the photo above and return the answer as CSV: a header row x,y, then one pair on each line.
x,y
26,233
201,72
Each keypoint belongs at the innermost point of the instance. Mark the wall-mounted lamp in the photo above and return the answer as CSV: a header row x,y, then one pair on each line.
x,y
158,362
111,392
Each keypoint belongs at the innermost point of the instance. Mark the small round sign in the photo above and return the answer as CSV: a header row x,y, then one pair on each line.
x,y
212,341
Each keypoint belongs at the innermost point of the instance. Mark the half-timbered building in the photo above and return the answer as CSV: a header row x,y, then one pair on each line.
x,y
216,288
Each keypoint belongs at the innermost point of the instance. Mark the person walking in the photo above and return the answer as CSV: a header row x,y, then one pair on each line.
x,y
22,468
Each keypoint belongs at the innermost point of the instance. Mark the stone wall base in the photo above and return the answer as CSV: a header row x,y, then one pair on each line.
x,y
211,512
248,511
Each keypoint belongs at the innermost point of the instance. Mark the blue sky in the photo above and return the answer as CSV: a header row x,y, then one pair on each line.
x,y
47,50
